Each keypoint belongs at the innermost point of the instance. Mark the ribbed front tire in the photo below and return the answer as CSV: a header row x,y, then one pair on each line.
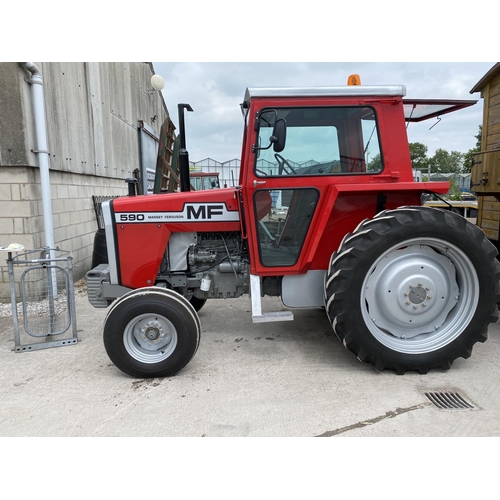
x,y
151,332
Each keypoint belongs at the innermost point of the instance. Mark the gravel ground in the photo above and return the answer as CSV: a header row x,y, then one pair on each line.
x,y
80,289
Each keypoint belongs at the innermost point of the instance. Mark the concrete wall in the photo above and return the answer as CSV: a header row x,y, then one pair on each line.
x,y
92,114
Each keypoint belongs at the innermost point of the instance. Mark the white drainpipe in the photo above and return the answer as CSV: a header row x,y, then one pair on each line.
x,y
41,149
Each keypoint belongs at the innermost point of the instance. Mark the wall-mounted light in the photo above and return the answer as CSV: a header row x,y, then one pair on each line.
x,y
157,83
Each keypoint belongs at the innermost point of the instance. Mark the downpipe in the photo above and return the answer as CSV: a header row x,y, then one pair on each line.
x,y
36,83
41,150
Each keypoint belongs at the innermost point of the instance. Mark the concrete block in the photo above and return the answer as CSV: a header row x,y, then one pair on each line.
x,y
65,218
15,175
74,192
30,191
19,225
57,207
15,208
15,191
6,227
5,292
5,192
62,191
60,234
56,177
89,227
77,243
88,240
71,231
36,224
78,204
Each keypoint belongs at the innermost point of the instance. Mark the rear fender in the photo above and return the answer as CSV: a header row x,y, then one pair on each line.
x,y
347,205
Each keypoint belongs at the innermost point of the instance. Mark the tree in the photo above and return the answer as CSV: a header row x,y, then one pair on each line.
x,y
468,156
375,164
454,191
418,155
444,162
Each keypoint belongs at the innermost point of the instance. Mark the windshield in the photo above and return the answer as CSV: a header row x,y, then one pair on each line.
x,y
320,141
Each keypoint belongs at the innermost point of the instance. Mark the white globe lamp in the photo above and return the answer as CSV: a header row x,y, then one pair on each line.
x,y
157,82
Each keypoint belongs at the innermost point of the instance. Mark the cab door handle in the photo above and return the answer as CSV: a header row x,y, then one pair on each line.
x,y
256,183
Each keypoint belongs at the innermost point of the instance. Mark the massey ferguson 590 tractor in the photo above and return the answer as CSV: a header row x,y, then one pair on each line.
x,y
326,215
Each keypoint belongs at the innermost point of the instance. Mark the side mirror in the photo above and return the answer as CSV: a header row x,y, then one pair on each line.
x,y
278,139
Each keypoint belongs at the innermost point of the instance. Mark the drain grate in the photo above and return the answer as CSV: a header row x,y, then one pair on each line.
x,y
449,401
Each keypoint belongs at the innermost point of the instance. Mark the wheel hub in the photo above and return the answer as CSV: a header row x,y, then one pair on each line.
x,y
411,291
152,330
417,292
152,334
417,295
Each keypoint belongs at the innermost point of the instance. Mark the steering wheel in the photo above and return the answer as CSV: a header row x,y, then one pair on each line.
x,y
281,165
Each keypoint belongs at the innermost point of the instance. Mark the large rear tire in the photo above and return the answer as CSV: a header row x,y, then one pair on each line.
x,y
151,332
413,289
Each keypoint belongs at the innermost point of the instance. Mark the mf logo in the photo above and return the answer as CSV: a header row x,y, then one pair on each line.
x,y
198,211
192,212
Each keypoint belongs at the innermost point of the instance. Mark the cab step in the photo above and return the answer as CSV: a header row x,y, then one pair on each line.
x,y
257,315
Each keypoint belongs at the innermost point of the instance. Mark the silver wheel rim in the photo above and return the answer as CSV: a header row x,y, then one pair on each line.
x,y
150,338
419,295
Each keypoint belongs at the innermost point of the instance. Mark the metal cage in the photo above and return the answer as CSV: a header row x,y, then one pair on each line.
x,y
46,308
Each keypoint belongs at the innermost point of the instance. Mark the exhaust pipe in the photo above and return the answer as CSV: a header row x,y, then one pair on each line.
x,y
183,154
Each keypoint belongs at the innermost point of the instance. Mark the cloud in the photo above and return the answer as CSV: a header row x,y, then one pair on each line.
x,y
215,90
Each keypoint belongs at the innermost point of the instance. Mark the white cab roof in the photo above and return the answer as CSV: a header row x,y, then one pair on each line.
x,y
346,90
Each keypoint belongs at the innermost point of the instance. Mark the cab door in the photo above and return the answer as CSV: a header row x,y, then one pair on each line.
x,y
287,178
281,195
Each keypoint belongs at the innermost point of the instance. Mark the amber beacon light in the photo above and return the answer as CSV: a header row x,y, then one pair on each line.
x,y
354,80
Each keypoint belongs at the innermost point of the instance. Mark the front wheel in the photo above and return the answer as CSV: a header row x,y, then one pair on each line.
x,y
413,289
151,332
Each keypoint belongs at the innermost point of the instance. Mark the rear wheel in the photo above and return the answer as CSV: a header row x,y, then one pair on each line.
x,y
100,252
151,332
413,289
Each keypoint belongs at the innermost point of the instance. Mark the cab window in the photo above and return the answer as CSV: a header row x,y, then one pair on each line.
x,y
320,141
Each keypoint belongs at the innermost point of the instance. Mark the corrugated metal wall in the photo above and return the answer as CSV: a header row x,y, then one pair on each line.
x,y
93,112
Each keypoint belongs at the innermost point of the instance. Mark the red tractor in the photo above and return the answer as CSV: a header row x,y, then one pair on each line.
x,y
326,215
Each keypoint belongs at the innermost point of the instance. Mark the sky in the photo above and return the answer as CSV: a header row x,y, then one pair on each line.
x,y
215,90
212,51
